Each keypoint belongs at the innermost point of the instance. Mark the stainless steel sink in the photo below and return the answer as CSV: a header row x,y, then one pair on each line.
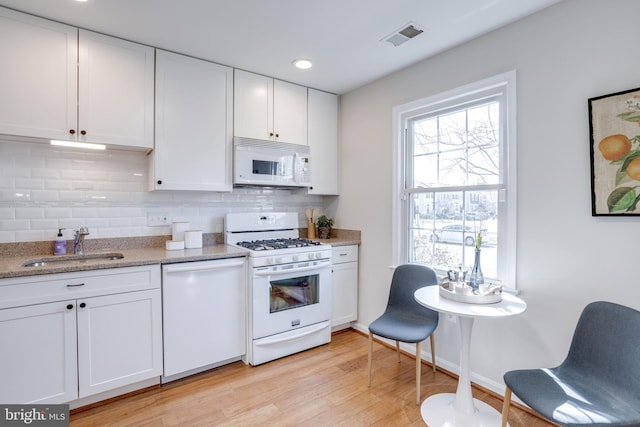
x,y
39,262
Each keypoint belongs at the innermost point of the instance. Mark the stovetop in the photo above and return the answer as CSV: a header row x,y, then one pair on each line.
x,y
272,238
273,244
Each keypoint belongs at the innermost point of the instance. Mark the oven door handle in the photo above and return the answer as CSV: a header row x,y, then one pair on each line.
x,y
310,331
293,270
187,269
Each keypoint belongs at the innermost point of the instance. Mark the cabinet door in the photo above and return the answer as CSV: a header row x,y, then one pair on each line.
x,y
193,139
119,340
115,91
290,112
323,140
38,354
253,105
38,76
345,293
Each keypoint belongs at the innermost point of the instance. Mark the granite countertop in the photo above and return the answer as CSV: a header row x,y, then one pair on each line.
x,y
338,241
12,266
136,251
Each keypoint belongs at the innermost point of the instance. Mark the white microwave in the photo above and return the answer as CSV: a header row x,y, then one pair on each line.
x,y
270,163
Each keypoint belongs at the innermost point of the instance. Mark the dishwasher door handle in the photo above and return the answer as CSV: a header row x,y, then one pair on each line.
x,y
188,269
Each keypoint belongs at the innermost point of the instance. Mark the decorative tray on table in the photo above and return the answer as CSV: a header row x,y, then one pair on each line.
x,y
490,294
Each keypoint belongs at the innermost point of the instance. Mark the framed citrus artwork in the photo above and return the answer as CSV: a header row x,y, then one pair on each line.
x,y
614,126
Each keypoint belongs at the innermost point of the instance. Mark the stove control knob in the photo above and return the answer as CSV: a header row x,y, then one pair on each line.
x,y
318,255
269,261
295,258
279,260
311,256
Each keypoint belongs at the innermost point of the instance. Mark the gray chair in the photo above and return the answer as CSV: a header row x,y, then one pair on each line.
x,y
404,319
598,384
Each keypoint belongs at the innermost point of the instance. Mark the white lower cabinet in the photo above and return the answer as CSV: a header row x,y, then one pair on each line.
x,y
119,340
38,361
102,331
345,285
204,315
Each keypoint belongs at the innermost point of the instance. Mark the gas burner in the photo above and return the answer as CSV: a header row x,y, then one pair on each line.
x,y
271,244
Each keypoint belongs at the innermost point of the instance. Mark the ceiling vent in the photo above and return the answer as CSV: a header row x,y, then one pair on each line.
x,y
404,34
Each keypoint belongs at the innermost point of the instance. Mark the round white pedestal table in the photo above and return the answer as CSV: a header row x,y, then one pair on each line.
x,y
461,409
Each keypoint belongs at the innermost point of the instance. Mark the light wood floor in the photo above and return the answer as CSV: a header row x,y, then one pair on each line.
x,y
325,386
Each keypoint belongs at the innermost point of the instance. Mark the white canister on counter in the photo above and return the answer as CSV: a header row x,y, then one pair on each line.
x,y
193,239
178,229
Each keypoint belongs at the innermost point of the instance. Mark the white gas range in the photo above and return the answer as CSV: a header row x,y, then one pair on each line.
x,y
289,284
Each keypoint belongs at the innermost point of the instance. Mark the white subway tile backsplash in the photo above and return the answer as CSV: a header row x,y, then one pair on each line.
x,y
96,223
6,182
43,224
43,188
7,213
14,224
29,183
15,195
14,171
70,223
119,222
44,195
57,213
34,236
45,173
58,184
30,213
82,212
10,236
71,196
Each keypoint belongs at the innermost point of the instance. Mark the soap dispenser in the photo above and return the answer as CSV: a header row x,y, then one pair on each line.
x,y
59,245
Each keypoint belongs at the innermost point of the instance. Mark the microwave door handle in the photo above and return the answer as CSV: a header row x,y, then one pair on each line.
x,y
293,270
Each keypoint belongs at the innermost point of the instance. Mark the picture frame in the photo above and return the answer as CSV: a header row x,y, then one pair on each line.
x,y
614,129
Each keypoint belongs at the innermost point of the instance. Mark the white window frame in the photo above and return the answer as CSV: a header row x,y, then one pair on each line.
x,y
507,203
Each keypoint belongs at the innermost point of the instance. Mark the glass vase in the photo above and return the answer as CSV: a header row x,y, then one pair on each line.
x,y
476,277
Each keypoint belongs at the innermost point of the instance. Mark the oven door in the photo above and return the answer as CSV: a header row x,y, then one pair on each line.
x,y
290,296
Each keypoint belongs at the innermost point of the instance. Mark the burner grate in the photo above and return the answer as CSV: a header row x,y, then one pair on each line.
x,y
271,244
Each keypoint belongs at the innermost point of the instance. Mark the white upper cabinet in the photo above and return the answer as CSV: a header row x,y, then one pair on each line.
x,y
194,120
80,87
115,81
323,140
38,76
265,108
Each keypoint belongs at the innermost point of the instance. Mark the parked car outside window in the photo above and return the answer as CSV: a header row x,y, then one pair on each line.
x,y
457,233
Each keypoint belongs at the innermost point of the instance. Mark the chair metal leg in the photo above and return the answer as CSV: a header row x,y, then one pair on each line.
x,y
418,366
505,406
370,355
433,352
398,350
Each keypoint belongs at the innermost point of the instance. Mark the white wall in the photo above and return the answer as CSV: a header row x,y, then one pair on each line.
x,y
566,258
43,188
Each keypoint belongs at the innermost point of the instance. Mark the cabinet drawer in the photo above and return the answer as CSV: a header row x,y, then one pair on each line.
x,y
45,288
344,254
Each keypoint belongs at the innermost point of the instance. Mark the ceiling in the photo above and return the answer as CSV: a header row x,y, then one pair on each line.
x,y
344,38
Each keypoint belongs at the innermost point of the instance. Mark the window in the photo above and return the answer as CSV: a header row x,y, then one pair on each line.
x,y
455,190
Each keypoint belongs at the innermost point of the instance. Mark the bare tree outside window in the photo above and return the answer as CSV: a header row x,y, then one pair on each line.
x,y
453,181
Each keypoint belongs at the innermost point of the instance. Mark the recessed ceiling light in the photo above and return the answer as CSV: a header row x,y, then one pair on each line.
x,y
302,63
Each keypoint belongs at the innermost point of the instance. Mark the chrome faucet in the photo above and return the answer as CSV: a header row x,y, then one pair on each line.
x,y
78,240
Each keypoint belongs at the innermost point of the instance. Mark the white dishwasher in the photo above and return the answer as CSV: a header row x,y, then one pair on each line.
x,y
204,315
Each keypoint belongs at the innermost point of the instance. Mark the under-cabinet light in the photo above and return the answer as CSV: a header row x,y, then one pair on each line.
x,y
78,144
